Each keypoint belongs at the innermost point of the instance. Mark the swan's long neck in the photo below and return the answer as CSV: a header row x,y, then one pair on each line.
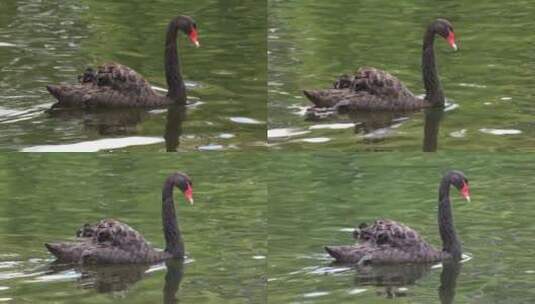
x,y
433,88
175,83
173,238
450,241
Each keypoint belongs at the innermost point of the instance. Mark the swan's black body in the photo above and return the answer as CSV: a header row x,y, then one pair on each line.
x,y
112,242
114,85
370,89
387,241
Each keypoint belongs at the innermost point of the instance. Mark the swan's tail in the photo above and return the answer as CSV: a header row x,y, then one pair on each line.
x,y
346,254
334,252
55,249
324,98
55,90
65,252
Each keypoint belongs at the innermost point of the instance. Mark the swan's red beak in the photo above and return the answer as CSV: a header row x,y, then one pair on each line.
x,y
193,37
465,192
451,41
188,194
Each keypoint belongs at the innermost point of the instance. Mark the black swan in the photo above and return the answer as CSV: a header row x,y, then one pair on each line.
x,y
389,242
115,85
371,89
112,242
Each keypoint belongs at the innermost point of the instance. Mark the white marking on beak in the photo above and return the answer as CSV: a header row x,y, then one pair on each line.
x,y
454,46
467,198
197,44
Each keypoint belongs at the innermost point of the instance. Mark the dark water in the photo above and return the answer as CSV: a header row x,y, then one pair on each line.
x,y
488,83
317,200
44,42
48,197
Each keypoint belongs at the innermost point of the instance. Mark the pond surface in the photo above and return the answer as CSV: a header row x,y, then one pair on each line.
x,y
48,197
43,42
488,83
318,199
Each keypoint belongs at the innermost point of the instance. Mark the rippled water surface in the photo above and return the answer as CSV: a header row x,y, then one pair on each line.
x,y
317,200
488,82
47,42
48,197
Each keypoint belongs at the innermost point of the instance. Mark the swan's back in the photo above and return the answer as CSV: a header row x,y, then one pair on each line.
x,y
108,241
112,85
380,83
389,232
368,89
122,79
385,242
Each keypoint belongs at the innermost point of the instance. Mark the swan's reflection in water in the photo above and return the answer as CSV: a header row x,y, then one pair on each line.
x,y
105,121
126,121
433,117
375,126
120,278
395,278
176,114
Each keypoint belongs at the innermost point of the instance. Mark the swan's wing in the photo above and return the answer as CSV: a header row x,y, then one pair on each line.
x,y
114,234
378,82
389,233
119,78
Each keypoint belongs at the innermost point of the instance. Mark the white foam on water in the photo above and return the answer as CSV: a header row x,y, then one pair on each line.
x,y
325,270
458,134
506,98
379,133
211,147
69,275
472,85
246,120
285,132
357,291
97,145
334,126
259,257
226,135
7,44
500,131
316,140
316,294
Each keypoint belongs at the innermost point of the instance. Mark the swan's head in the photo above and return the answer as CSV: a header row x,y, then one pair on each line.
x,y
183,182
444,28
187,25
460,182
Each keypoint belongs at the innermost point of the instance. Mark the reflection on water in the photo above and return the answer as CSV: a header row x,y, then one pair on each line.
x,y
116,278
176,114
396,278
371,126
104,122
431,128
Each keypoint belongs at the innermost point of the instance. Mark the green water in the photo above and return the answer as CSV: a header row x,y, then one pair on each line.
x,y
488,82
317,199
48,197
47,42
